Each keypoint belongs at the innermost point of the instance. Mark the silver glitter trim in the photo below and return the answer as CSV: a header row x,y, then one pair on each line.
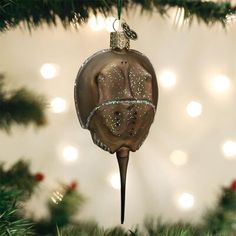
x,y
98,142
115,102
76,85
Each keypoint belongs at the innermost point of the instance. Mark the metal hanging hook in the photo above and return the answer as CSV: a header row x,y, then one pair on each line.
x,y
120,23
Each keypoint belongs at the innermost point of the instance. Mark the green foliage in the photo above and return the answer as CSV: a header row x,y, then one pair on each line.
x,y
151,228
20,107
207,11
156,227
61,212
93,229
222,218
10,223
220,221
34,13
17,184
18,178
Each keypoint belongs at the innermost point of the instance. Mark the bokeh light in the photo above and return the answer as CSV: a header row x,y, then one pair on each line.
x,y
97,23
49,71
229,149
178,17
186,201
56,197
114,181
221,84
70,154
109,23
179,158
167,79
194,109
58,105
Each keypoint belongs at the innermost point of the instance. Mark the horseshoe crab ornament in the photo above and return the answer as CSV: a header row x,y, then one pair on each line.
x,y
116,98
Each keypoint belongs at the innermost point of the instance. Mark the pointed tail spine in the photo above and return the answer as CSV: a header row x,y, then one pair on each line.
x,y
123,159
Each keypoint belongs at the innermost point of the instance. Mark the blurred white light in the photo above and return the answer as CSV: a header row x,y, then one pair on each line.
x,y
194,109
115,181
58,105
230,18
229,149
97,23
179,17
221,83
56,197
167,79
109,23
49,71
70,154
179,157
186,200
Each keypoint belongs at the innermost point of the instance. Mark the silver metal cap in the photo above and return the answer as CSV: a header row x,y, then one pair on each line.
x,y
119,40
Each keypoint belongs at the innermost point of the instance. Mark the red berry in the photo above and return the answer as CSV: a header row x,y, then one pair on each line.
x,y
73,185
39,177
233,185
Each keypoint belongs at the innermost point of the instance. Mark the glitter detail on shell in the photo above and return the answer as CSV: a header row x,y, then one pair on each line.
x,y
122,120
76,85
99,143
140,82
115,102
124,80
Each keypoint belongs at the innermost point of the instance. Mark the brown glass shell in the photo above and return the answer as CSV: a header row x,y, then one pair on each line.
x,y
116,96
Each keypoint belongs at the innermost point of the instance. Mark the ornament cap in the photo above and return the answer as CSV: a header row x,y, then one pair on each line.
x,y
118,40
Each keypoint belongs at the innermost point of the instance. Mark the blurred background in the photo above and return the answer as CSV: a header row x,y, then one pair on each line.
x,y
191,149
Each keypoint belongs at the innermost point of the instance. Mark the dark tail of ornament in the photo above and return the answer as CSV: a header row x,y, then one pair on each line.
x,y
123,159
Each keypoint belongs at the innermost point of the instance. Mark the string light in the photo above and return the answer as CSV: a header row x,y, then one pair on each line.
x,y
70,154
194,109
167,79
186,201
114,180
49,71
58,105
229,149
179,157
97,23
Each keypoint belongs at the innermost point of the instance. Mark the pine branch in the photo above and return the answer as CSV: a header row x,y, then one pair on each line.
x,y
61,211
20,107
10,224
222,218
151,229
34,13
219,221
17,184
25,185
93,229
156,227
